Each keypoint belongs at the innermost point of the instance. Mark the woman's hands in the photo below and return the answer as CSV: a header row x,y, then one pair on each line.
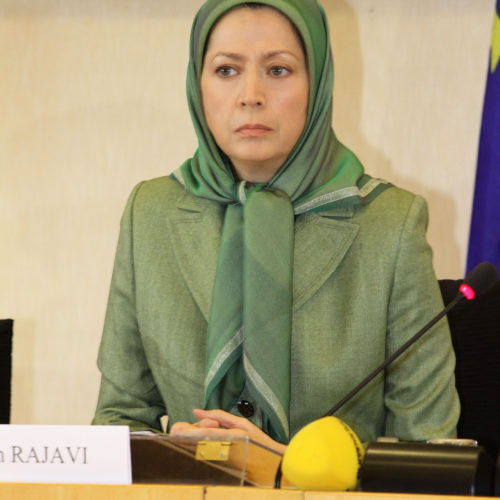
x,y
223,424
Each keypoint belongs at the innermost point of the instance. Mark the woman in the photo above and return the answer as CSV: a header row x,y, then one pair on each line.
x,y
269,274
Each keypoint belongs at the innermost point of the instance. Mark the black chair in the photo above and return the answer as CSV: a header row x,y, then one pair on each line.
x,y
475,331
5,368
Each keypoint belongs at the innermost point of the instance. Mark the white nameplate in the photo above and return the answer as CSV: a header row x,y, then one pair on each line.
x,y
65,454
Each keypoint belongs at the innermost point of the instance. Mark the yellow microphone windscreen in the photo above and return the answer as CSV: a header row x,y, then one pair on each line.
x,y
324,455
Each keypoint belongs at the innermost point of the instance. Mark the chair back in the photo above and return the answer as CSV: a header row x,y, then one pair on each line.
x,y
5,368
475,332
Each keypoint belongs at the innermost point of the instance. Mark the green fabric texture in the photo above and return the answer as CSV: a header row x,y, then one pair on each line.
x,y
248,340
363,283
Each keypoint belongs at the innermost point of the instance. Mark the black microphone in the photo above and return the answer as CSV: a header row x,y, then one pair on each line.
x,y
478,281
328,445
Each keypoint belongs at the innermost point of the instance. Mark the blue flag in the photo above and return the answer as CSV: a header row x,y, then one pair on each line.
x,y
484,238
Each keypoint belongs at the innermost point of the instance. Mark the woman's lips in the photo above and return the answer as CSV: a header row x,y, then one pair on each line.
x,y
253,130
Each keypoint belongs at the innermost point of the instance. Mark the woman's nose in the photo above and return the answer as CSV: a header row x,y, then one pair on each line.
x,y
252,91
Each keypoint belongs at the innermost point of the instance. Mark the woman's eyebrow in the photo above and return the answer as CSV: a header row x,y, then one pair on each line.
x,y
274,53
229,55
266,55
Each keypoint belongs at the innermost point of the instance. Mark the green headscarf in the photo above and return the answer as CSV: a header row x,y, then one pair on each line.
x,y
250,324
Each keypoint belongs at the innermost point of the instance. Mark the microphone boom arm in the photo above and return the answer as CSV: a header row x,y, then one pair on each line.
x,y
395,355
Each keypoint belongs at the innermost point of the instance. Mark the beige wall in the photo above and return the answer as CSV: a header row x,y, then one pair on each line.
x,y
92,101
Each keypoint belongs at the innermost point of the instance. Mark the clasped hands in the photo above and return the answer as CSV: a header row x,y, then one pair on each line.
x,y
222,424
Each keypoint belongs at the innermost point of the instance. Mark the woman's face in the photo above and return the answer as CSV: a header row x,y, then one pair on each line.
x,y
255,89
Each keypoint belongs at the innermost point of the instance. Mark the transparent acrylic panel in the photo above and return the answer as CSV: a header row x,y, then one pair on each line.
x,y
161,458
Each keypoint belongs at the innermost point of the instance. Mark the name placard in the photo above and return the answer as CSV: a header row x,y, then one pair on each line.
x,y
65,454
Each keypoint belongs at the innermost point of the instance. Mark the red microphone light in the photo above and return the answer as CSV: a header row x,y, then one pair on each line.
x,y
467,291
479,280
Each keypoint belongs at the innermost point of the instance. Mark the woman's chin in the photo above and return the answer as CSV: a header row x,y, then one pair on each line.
x,y
257,168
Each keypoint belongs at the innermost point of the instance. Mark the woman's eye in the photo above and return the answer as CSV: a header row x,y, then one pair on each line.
x,y
279,71
225,71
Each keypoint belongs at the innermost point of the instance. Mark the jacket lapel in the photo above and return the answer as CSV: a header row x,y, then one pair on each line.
x,y
321,241
195,230
320,245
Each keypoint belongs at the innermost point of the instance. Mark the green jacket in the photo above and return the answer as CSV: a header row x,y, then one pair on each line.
x,y
363,284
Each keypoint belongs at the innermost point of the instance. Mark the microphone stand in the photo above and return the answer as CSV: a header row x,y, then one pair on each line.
x,y
460,296
479,280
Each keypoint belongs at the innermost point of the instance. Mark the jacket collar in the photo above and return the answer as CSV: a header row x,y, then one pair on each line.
x,y
321,241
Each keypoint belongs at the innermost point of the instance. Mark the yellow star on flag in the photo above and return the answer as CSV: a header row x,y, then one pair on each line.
x,y
495,44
